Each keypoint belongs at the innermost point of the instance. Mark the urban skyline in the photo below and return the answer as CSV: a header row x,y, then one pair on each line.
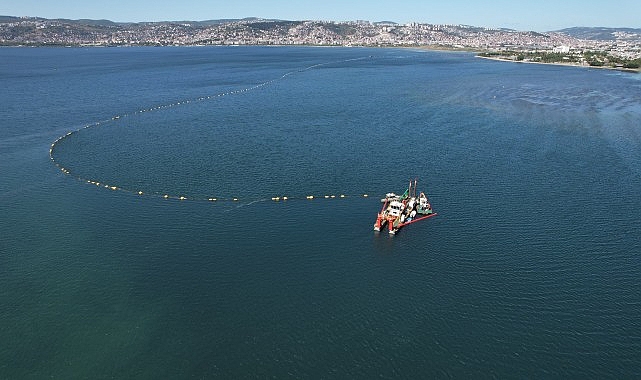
x,y
620,43
542,16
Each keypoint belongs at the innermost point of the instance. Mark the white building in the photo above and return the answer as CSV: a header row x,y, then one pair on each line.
x,y
561,49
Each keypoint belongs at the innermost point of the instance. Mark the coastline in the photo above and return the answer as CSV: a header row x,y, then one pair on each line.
x,y
440,48
566,64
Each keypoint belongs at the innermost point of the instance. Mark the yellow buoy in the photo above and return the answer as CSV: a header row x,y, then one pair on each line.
x,y
165,196
310,197
140,193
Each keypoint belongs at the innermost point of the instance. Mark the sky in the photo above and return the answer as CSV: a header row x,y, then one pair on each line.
x,y
540,16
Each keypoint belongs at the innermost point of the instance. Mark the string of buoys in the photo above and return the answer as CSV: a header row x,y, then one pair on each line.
x,y
167,196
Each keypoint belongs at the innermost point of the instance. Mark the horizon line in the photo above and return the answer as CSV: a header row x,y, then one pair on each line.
x,y
231,19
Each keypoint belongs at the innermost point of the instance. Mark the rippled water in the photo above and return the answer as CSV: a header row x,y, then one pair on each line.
x,y
531,268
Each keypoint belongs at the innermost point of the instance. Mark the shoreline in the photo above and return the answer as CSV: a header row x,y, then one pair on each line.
x,y
423,47
622,69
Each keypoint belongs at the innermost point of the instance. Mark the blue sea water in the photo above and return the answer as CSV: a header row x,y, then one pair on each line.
x,y
531,269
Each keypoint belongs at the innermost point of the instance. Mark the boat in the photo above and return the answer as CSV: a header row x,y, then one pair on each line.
x,y
400,210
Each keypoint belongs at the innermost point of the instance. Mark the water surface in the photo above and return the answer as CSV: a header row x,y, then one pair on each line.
x,y
531,268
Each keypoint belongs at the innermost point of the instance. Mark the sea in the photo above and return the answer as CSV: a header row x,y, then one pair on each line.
x,y
139,238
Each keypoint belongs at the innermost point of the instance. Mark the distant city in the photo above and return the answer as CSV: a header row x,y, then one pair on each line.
x,y
622,43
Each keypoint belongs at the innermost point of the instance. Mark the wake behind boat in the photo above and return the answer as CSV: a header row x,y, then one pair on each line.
x,y
401,210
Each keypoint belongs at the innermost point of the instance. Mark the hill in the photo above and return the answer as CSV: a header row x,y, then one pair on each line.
x,y
35,31
602,34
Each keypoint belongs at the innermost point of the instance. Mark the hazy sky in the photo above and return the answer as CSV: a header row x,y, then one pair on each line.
x,y
541,15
